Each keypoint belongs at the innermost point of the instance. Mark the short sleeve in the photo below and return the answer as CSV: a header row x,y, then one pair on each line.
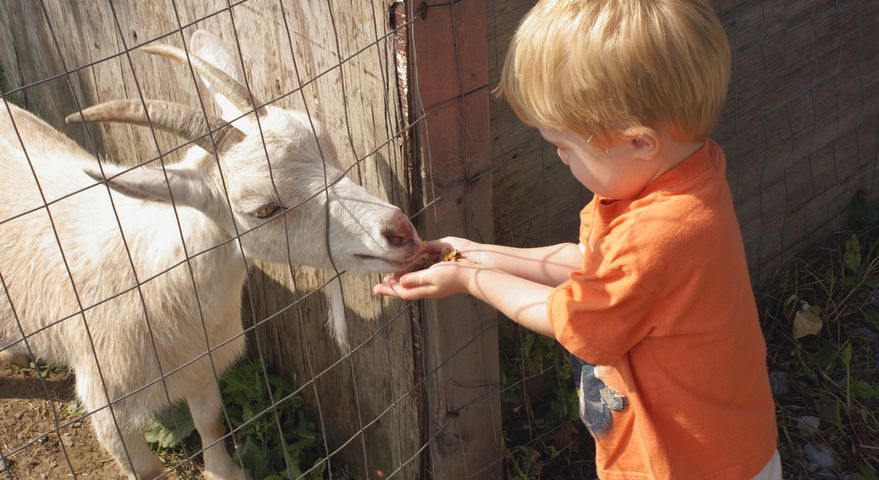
x,y
600,316
587,218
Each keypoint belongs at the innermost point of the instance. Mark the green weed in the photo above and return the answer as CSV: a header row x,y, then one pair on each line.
x,y
544,435
821,320
43,369
265,452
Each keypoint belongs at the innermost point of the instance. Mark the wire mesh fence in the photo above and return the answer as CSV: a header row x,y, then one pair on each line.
x,y
394,98
339,382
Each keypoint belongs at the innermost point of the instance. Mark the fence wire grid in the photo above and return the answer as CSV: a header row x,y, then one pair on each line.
x,y
366,405
405,401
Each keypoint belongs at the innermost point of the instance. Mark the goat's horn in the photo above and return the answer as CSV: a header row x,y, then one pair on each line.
x,y
226,85
183,121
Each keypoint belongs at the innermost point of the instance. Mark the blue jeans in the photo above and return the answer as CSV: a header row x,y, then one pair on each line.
x,y
597,400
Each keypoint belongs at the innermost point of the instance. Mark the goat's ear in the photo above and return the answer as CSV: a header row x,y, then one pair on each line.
x,y
150,184
209,48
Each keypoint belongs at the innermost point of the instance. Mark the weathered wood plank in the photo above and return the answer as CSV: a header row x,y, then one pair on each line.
x,y
461,368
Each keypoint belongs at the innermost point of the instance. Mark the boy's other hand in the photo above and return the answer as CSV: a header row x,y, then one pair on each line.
x,y
468,248
440,280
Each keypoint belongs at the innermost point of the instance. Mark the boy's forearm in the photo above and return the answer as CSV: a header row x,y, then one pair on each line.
x,y
549,265
520,299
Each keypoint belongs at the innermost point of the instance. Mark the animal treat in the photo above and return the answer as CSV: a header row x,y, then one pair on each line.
x,y
427,259
450,255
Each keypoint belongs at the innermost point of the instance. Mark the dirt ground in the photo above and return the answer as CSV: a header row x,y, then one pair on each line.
x,y
26,414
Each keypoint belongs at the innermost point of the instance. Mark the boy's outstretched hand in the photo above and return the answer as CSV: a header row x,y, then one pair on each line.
x,y
443,279
469,267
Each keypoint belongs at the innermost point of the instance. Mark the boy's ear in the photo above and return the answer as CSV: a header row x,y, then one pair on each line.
x,y
644,140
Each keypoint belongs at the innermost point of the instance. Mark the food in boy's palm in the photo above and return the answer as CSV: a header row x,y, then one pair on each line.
x,y
428,258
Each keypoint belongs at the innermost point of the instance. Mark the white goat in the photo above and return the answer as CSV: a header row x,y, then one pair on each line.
x,y
251,191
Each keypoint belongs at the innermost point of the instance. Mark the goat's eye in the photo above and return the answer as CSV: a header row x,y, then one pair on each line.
x,y
267,210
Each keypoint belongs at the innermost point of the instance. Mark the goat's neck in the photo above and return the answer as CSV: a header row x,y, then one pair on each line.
x,y
213,232
208,237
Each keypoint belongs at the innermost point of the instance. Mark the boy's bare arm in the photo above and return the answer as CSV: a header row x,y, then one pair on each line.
x,y
520,299
548,265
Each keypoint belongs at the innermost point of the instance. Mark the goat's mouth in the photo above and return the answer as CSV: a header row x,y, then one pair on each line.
x,y
390,261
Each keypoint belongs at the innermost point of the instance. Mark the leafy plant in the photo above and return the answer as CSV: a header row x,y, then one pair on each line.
x,y
261,443
274,441
821,323
43,369
170,428
544,435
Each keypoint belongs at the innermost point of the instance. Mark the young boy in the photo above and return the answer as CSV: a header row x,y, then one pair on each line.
x,y
655,303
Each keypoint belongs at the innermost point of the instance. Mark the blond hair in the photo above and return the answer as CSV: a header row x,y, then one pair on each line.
x,y
599,67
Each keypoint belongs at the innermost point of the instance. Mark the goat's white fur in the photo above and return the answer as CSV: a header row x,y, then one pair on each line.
x,y
154,308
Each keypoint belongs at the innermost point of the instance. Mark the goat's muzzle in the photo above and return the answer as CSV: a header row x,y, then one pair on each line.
x,y
399,231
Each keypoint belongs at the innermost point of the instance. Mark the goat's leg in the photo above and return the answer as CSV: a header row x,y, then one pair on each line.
x,y
206,406
146,464
126,444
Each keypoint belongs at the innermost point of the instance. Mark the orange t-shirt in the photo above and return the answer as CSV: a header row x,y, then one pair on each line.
x,y
664,310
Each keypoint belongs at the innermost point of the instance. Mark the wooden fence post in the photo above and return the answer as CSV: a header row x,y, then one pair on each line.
x,y
460,334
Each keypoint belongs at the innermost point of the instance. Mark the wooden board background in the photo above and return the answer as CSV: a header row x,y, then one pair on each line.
x,y
462,365
365,402
799,129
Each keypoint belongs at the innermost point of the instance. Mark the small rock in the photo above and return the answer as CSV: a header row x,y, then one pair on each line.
x,y
808,425
778,383
819,456
67,439
4,464
874,299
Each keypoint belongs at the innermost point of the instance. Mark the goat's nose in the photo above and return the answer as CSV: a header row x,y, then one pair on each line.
x,y
399,230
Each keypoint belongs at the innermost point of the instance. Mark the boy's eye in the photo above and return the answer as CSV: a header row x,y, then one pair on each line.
x,y
267,210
